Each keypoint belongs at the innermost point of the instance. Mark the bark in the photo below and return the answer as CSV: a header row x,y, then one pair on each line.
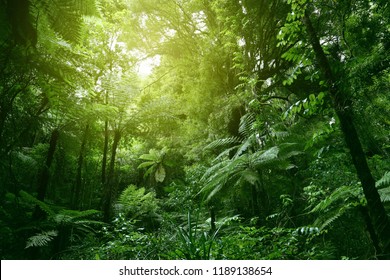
x,y
110,186
212,219
78,185
370,228
105,151
343,110
44,175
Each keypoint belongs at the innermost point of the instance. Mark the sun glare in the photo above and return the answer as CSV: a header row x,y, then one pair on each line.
x,y
145,66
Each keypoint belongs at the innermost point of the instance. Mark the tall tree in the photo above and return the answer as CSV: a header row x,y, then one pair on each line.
x,y
331,66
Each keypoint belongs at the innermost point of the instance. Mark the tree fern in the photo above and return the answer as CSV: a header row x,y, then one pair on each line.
x,y
66,17
245,141
243,169
246,127
224,142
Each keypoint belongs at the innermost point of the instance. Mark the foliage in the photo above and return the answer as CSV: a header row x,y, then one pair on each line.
x,y
154,164
194,242
41,239
122,240
202,129
249,242
135,204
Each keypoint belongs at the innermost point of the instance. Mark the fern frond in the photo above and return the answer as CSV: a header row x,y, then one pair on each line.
x,y
266,157
384,181
385,194
225,142
324,220
76,215
245,145
66,17
246,125
225,154
250,176
41,239
342,193
323,223
31,199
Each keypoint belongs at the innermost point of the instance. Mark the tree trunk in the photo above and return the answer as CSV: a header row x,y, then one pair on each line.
x,y
110,186
105,151
343,110
370,228
78,185
44,175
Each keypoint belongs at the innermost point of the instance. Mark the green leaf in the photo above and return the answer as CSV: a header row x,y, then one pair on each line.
x,y
146,164
160,174
41,239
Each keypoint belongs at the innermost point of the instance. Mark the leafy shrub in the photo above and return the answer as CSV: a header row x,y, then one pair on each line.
x,y
124,240
134,203
274,244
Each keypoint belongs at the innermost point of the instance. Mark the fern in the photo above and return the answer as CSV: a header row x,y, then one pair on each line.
x,y
225,142
384,181
385,194
41,239
66,17
79,214
336,205
72,217
31,199
247,122
343,193
246,145
135,202
243,169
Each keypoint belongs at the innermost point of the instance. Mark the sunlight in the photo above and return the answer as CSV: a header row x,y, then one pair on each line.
x,y
145,67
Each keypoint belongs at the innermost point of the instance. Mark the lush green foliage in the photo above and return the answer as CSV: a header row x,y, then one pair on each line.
x,y
194,129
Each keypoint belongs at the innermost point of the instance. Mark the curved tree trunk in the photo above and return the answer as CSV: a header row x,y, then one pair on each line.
x,y
342,107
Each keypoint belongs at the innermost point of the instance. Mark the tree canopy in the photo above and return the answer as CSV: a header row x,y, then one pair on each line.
x,y
169,129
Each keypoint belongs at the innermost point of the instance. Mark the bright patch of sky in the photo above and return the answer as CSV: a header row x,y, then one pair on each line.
x,y
145,66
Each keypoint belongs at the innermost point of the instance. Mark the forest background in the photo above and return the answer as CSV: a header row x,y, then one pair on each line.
x,y
169,129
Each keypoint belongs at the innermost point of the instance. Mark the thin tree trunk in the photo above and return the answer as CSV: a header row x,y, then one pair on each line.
x,y
110,186
80,162
370,228
105,151
44,175
342,106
